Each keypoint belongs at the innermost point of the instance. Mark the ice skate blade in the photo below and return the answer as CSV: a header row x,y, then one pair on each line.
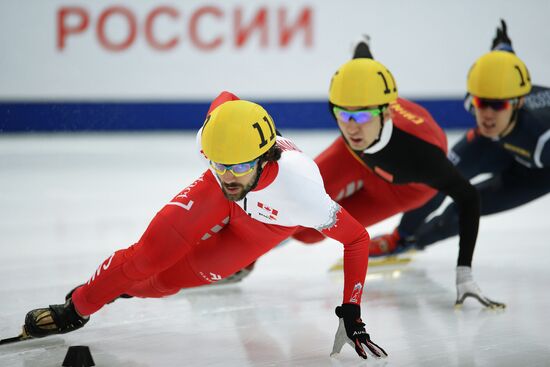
x,y
376,262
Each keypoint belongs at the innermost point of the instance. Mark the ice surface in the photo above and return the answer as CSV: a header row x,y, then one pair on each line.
x,y
68,201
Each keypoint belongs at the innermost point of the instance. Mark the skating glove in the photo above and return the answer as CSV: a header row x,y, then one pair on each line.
x,y
467,287
351,330
501,41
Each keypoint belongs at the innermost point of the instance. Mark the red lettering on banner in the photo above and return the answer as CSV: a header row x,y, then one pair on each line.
x,y
132,28
303,22
237,27
243,33
149,25
63,29
193,28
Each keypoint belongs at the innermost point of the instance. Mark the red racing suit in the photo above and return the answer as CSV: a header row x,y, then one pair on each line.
x,y
200,237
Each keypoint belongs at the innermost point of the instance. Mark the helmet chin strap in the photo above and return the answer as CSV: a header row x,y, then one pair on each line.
x,y
381,128
511,122
258,174
379,133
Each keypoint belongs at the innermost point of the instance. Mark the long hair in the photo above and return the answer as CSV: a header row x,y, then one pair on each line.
x,y
272,155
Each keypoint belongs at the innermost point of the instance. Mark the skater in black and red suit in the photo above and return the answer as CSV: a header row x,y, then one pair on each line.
x,y
510,143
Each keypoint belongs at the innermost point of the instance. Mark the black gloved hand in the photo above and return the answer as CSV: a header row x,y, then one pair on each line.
x,y
351,330
502,41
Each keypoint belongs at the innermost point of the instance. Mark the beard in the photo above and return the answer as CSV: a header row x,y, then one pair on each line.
x,y
241,193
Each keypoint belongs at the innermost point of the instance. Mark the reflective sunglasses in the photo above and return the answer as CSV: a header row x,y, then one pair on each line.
x,y
494,104
359,116
237,170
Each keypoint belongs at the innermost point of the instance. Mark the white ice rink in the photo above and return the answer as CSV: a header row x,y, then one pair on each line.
x,y
68,201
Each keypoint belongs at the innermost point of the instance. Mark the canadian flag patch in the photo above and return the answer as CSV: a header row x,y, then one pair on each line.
x,y
271,213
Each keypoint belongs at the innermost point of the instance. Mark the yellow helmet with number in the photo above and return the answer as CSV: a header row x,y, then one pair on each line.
x,y
499,75
362,82
237,132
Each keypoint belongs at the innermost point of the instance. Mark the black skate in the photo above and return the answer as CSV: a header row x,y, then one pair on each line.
x,y
56,319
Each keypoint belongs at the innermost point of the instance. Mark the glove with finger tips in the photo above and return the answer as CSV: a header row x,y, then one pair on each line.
x,y
467,287
351,330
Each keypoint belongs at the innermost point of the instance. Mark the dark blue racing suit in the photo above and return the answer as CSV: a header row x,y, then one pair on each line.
x,y
518,164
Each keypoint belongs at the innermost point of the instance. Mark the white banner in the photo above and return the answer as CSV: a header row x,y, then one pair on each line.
x,y
289,49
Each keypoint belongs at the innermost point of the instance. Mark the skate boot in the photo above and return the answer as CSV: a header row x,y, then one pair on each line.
x,y
237,277
56,319
384,245
390,244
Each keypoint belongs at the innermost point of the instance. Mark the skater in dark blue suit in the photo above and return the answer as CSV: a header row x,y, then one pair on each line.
x,y
510,143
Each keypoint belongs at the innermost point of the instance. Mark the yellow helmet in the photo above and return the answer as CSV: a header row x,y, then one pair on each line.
x,y
499,75
237,132
362,82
